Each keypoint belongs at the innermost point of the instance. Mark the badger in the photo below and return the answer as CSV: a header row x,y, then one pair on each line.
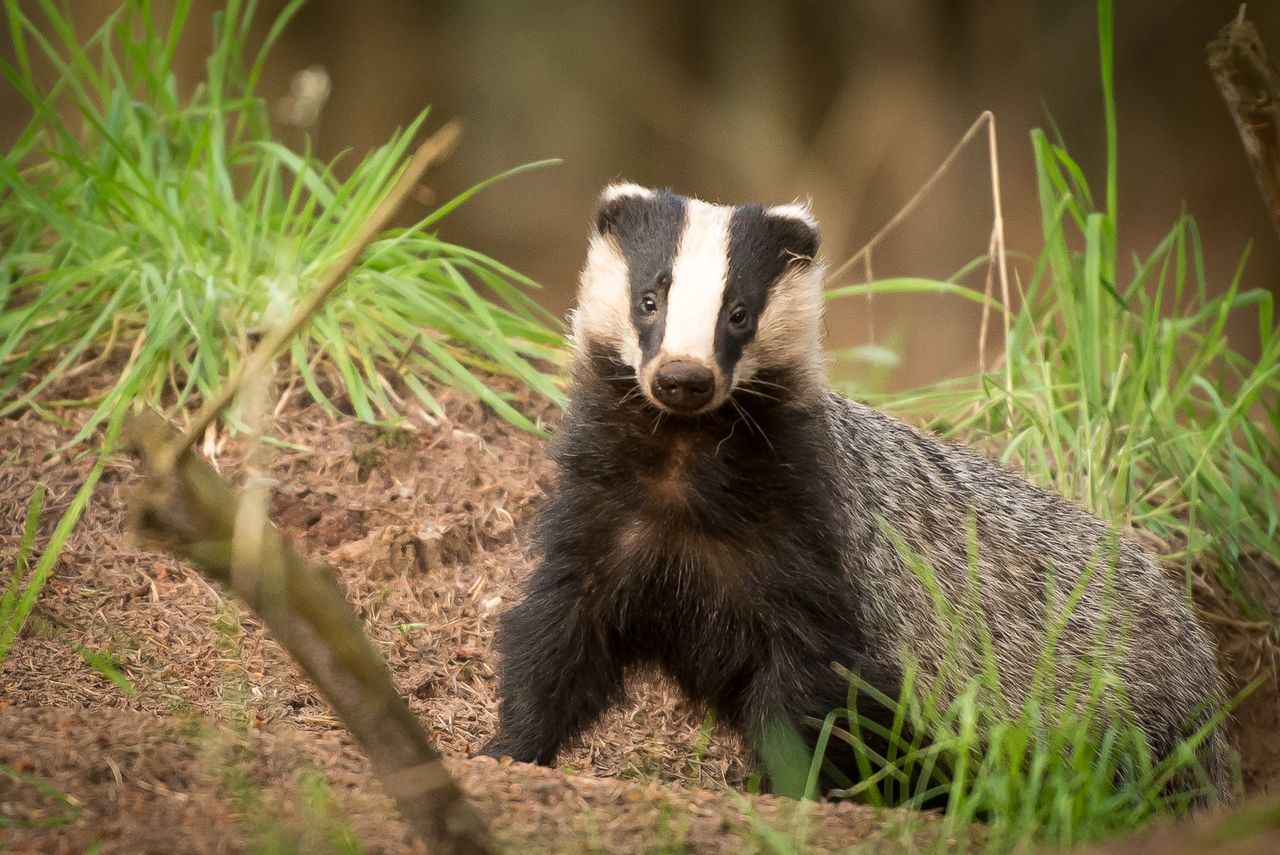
x,y
721,513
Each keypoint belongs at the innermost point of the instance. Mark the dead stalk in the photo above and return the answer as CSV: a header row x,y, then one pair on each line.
x,y
997,261
1250,86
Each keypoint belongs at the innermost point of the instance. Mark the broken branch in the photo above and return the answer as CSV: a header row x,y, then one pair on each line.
x,y
185,507
1250,84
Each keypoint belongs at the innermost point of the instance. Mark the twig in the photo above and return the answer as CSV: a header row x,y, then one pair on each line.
x,y
1001,262
905,210
1250,84
437,146
186,508
997,258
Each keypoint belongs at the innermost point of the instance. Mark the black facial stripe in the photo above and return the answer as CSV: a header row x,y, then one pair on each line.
x,y
761,249
648,231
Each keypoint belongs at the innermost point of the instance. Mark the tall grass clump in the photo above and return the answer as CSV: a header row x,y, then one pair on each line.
x,y
168,231
1060,765
1118,386
151,235
1058,762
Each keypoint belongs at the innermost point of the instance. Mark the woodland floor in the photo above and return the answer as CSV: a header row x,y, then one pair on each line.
x,y
219,744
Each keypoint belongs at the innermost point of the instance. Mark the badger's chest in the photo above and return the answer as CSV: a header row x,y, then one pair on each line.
x,y
710,556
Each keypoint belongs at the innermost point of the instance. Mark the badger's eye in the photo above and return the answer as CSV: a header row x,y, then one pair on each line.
x,y
648,304
738,317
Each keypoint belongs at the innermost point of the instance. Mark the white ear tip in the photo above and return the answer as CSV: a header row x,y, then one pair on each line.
x,y
799,211
623,188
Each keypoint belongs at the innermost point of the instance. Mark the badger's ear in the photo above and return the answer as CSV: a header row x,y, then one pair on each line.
x,y
795,230
615,202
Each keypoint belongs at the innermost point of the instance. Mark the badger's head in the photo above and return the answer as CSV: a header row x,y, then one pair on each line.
x,y
701,300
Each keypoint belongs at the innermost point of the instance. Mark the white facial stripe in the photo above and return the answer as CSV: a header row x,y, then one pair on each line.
x,y
604,302
697,283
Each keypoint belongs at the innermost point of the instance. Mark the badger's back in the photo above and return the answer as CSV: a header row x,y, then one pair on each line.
x,y
1036,574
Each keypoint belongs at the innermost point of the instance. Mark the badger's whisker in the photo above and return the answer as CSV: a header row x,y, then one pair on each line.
x,y
747,390
727,437
760,381
744,416
752,423
631,394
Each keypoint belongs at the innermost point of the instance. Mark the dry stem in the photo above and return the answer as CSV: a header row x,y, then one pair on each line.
x,y
183,506
997,260
1250,84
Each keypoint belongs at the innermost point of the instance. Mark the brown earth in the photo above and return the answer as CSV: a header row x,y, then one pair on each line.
x,y
213,741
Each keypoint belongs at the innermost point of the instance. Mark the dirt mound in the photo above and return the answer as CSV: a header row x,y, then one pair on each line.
x,y
211,740
1248,651
143,784
424,529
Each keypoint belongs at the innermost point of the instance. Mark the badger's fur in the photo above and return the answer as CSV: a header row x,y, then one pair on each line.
x,y
722,514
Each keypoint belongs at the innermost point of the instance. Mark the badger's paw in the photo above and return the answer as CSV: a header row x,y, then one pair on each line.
x,y
501,749
493,748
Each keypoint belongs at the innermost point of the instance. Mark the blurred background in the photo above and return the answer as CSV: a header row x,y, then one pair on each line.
x,y
849,104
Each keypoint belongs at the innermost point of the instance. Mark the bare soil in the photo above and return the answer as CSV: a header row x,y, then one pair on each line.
x,y
214,742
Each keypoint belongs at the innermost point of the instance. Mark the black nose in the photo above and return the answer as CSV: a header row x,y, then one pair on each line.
x,y
684,386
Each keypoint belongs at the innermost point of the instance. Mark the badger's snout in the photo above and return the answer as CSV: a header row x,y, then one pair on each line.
x,y
683,385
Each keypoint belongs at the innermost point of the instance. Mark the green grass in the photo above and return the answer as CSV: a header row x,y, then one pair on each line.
x,y
154,236
1059,767
26,580
1118,386
169,233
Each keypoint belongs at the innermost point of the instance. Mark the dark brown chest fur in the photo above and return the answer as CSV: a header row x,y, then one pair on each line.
x,y
712,548
709,547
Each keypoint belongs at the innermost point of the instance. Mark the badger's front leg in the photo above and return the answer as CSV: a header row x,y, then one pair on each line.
x,y
781,713
558,669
